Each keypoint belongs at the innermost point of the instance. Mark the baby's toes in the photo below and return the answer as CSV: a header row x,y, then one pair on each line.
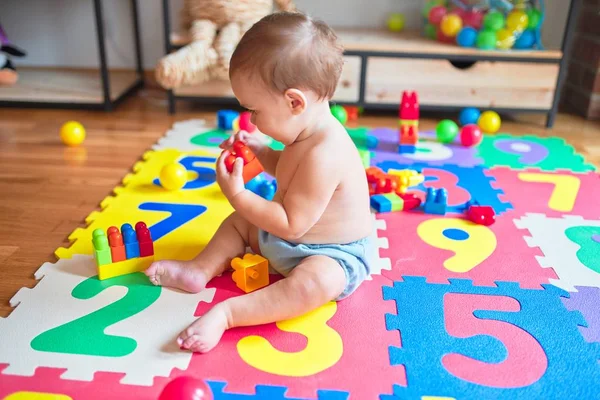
x,y
190,342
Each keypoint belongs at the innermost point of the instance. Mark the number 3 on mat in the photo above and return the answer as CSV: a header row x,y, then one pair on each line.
x,y
323,349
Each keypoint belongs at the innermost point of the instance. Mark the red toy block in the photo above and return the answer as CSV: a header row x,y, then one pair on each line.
x,y
117,248
252,167
352,112
482,215
145,240
408,134
410,200
409,107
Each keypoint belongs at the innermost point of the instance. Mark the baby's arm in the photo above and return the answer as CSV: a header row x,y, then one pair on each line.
x,y
308,194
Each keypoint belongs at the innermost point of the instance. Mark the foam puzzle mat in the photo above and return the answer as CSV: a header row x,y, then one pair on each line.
x,y
452,311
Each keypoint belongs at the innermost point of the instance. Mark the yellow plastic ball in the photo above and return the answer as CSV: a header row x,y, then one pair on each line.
x,y
395,22
489,122
505,39
451,24
173,176
517,21
72,133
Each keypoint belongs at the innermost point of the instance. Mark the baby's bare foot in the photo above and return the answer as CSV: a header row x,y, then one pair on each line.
x,y
182,275
204,334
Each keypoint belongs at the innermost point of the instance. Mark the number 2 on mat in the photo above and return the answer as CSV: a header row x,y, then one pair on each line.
x,y
323,349
86,335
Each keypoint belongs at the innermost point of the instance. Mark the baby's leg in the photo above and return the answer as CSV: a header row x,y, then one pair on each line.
x,y
230,241
314,282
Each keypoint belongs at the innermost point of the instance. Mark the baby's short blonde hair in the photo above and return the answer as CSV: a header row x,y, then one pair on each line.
x,y
290,50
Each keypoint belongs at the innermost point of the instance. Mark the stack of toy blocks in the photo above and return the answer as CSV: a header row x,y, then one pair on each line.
x,y
119,253
251,272
252,167
406,178
409,122
388,192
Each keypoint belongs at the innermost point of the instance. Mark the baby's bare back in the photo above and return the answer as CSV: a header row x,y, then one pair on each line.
x,y
347,216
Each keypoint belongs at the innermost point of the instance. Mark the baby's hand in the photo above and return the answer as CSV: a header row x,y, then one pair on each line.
x,y
252,140
232,183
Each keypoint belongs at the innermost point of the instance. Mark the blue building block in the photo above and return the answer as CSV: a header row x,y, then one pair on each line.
x,y
372,142
132,246
436,201
225,119
254,183
267,190
381,203
407,149
423,315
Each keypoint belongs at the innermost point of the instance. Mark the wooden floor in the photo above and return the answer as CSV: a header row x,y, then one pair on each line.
x,y
47,189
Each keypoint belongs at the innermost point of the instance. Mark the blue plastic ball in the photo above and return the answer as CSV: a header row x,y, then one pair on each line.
x,y
467,37
469,115
526,40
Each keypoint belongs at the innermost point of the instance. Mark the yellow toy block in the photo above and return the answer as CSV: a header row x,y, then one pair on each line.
x,y
409,122
124,267
408,178
251,272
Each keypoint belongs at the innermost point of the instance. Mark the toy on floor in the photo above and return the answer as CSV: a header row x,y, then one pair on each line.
x,y
352,112
186,388
225,119
173,176
489,122
120,253
468,115
395,22
446,130
482,215
470,135
252,167
406,178
72,133
380,182
436,201
387,202
409,122
339,113
251,272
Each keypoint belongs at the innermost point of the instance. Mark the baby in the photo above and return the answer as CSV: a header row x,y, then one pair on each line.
x,y
316,231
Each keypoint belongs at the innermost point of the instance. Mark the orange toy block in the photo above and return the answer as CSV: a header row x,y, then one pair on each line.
x,y
251,272
252,167
408,134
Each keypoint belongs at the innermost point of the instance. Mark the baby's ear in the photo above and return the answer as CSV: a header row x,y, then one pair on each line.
x,y
296,101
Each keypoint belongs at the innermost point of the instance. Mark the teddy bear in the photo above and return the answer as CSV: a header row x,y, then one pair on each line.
x,y
215,27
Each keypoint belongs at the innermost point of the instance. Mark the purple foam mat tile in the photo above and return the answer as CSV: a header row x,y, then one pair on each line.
x,y
587,301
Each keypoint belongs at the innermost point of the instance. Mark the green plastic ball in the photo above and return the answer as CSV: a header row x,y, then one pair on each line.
x,y
493,21
340,114
430,31
395,22
535,17
446,130
486,40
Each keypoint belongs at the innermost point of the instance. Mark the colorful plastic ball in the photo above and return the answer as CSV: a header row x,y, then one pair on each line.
x,y
446,130
535,17
493,21
395,22
470,135
467,37
436,14
469,115
526,40
186,388
517,21
473,18
443,38
505,39
340,114
489,122
245,123
451,24
173,176
72,133
429,5
430,31
486,40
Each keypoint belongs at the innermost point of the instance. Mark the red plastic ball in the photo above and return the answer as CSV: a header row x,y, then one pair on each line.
x,y
245,123
470,135
186,388
436,14
474,19
443,38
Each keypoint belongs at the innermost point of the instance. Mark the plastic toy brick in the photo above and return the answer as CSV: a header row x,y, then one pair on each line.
x,y
114,258
251,272
436,201
225,119
411,201
380,182
409,107
352,112
252,167
482,215
407,178
387,202
408,134
407,149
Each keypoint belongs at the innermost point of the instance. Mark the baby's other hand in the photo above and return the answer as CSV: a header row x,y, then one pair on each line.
x,y
252,140
232,183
